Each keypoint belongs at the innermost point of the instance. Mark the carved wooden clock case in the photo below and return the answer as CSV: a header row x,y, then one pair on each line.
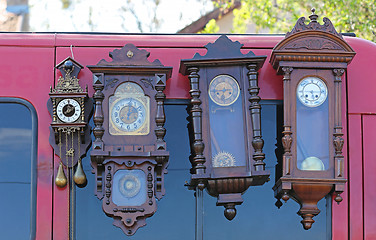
x,y
312,58
129,153
225,122
71,110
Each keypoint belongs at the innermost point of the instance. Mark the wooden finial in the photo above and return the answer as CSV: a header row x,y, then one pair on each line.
x,y
313,16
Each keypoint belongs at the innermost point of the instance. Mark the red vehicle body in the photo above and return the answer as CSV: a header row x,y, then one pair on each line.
x,y
27,68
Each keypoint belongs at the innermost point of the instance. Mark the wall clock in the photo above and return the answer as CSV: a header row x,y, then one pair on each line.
x,y
312,59
225,122
70,109
129,154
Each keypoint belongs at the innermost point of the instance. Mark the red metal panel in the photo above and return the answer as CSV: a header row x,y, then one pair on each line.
x,y
362,77
27,73
27,40
340,211
369,188
355,179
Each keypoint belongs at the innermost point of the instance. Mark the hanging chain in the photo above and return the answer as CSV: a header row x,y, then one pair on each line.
x,y
72,190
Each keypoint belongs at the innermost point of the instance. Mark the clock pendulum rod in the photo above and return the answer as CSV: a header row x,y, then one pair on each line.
x,y
199,194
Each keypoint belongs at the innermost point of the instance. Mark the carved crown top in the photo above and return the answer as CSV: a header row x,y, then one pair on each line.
x,y
68,82
223,47
222,52
129,55
314,25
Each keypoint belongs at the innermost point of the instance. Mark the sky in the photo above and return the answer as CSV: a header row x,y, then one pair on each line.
x,y
108,16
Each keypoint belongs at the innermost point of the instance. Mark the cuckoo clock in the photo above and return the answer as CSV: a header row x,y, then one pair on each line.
x,y
312,59
129,154
225,125
70,109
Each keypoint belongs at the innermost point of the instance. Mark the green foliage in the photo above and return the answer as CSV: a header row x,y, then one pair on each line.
x,y
280,16
210,27
66,3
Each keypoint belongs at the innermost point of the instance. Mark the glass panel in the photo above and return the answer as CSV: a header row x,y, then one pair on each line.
x,y
312,122
129,187
175,216
258,217
227,132
15,171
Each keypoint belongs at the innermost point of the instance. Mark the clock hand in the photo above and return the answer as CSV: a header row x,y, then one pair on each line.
x,y
69,109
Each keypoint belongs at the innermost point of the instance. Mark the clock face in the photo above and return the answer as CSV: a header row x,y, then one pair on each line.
x,y
128,114
312,91
224,90
129,185
68,110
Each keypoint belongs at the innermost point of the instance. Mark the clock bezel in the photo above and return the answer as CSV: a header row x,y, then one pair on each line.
x,y
144,129
62,113
321,101
229,77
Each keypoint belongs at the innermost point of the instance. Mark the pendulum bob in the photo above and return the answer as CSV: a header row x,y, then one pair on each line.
x,y
61,179
79,176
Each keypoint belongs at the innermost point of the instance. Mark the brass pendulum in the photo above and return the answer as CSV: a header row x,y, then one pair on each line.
x,y
80,177
61,179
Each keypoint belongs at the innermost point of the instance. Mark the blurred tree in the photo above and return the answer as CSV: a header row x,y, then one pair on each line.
x,y
279,16
133,15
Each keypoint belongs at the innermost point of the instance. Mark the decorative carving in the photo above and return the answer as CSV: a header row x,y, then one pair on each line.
x,y
196,113
150,186
230,186
300,26
98,118
147,82
313,44
68,82
108,184
111,83
129,55
221,45
160,117
255,108
338,140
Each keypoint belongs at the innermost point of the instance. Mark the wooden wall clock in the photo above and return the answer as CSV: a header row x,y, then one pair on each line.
x,y
70,109
313,59
129,153
225,122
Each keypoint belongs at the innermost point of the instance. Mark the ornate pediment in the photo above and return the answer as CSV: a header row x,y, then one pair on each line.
x,y
312,42
130,55
314,25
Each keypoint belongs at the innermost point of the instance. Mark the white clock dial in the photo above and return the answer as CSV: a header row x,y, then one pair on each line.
x,y
128,114
312,91
68,110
